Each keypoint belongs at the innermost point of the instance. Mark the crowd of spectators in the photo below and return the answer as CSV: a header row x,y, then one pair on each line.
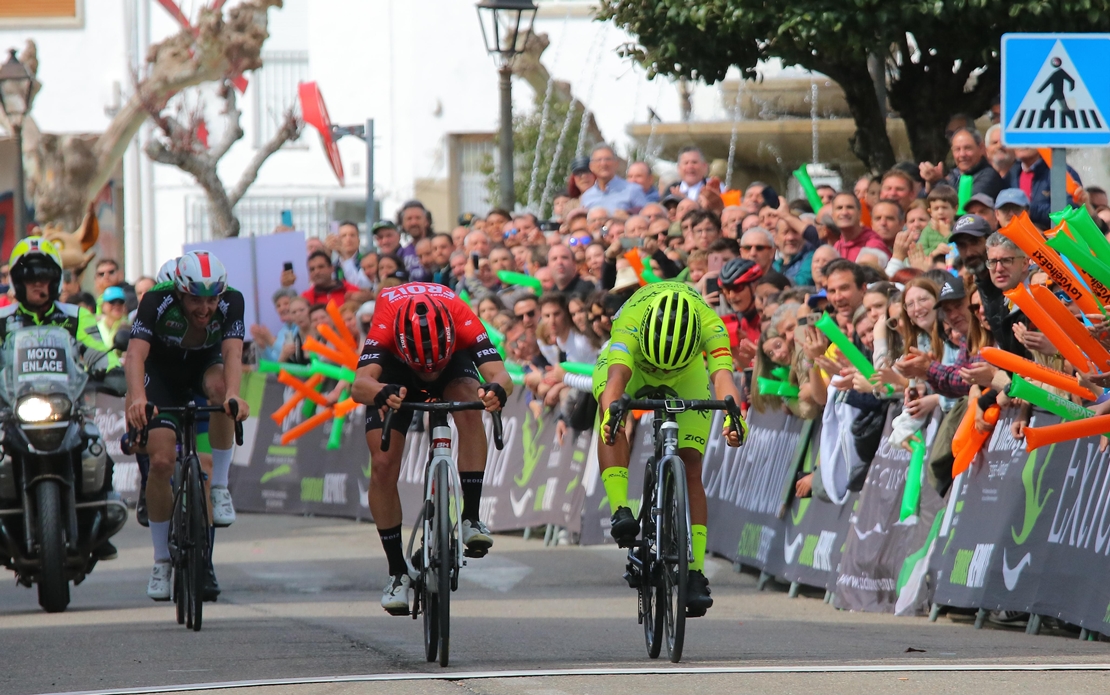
x,y
914,281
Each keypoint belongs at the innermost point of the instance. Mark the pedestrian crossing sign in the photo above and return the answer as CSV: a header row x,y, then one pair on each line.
x,y
1055,90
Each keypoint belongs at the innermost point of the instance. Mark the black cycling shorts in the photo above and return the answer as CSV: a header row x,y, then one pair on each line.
x,y
394,371
174,385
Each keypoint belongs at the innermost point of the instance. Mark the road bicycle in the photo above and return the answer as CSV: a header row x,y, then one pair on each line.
x,y
658,563
440,556
190,549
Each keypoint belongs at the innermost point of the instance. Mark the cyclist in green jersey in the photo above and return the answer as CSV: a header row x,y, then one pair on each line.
x,y
658,339
187,341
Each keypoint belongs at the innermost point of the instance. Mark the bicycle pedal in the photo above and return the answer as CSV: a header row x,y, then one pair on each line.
x,y
632,579
477,553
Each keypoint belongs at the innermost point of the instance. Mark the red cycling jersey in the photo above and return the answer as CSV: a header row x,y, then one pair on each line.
x,y
470,334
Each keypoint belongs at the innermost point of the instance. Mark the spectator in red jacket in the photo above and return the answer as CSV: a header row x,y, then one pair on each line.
x,y
324,285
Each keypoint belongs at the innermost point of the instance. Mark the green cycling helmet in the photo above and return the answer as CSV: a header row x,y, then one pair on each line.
x,y
670,332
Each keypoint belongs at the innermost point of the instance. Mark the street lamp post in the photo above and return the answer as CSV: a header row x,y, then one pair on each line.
x,y
15,99
506,28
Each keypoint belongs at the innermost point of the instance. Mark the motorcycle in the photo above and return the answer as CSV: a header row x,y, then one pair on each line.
x,y
55,504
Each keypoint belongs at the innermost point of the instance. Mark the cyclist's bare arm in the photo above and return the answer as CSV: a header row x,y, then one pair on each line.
x,y
232,351
135,371
494,373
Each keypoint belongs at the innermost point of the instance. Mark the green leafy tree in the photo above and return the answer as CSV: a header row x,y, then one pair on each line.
x,y
527,129
941,56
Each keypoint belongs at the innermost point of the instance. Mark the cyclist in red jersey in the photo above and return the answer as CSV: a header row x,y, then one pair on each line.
x,y
425,343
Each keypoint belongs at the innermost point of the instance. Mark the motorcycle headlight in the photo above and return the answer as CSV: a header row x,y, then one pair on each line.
x,y
36,409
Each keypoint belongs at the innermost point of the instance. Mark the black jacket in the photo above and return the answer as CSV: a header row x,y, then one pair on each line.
x,y
984,179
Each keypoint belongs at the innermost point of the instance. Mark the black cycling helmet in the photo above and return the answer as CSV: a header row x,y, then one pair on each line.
x,y
740,271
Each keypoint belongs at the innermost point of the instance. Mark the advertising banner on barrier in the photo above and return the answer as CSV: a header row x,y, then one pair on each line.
x,y
744,489
533,482
873,568
1032,531
815,531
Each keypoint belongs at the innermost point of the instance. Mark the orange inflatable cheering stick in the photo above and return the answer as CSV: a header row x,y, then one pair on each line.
x,y
1038,372
1040,318
1036,437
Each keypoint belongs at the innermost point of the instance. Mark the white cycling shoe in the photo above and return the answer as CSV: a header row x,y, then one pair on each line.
x,y
476,537
161,581
223,511
397,595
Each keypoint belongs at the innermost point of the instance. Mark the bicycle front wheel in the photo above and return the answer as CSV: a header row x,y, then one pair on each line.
x,y
651,609
444,562
674,542
196,549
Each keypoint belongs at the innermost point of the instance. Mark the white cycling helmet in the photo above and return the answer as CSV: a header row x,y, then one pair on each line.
x,y
167,272
200,274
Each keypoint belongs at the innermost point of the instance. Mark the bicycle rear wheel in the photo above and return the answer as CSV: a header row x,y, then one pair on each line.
x,y
196,551
674,541
651,610
445,561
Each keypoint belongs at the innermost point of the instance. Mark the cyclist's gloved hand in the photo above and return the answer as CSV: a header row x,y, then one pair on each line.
x,y
491,391
605,425
740,436
388,392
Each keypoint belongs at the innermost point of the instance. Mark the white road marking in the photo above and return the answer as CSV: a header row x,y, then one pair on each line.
x,y
638,671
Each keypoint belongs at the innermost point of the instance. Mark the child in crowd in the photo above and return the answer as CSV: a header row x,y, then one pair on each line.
x,y
698,263
942,202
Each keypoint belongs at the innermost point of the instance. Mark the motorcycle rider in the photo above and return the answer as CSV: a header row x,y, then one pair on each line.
x,y
36,275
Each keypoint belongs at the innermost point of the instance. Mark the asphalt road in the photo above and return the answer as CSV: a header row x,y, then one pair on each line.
x,y
301,601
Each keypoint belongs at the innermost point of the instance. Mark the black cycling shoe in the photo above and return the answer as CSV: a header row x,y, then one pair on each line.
x,y
698,600
211,587
624,527
105,551
140,510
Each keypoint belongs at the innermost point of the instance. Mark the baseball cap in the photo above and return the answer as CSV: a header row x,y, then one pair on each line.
x,y
971,225
981,198
114,294
1012,196
579,164
384,224
466,218
952,289
401,274
817,296
675,230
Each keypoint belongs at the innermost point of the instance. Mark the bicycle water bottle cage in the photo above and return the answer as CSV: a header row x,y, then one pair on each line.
x,y
675,405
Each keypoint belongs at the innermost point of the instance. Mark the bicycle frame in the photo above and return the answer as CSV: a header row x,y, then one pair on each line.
x,y
666,450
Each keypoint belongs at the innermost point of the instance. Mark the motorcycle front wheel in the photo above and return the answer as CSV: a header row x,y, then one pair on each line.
x,y
51,539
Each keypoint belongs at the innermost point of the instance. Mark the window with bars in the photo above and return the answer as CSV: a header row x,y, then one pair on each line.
x,y
275,91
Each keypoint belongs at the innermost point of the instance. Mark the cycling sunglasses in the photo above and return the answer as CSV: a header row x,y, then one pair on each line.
x,y
580,241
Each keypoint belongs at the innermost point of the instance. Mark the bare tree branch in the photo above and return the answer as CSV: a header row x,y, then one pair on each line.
x,y
233,130
290,130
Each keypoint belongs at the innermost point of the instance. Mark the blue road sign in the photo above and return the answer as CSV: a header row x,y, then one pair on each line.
x,y
1055,90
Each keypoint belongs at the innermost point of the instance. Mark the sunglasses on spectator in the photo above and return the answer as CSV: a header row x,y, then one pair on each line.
x,y
1062,296
512,233
104,273
579,241
531,314
755,247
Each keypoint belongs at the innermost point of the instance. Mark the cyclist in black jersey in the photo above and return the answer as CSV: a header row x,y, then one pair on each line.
x,y
187,341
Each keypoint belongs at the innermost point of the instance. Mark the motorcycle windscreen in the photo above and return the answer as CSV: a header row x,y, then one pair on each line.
x,y
39,360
